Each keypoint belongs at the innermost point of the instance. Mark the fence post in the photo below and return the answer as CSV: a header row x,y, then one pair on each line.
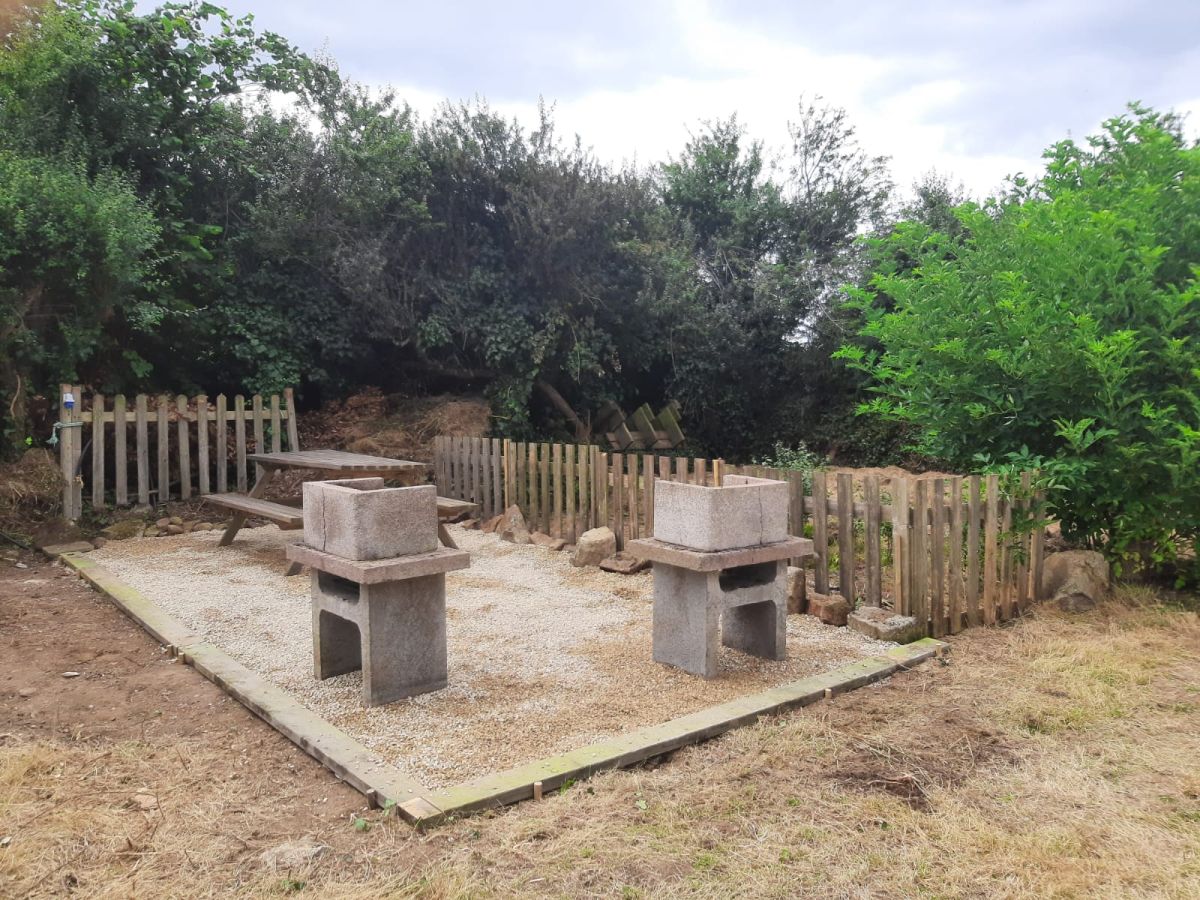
x,y
202,460
1038,552
991,534
901,547
185,452
289,395
956,555
97,451
820,531
141,423
872,538
164,447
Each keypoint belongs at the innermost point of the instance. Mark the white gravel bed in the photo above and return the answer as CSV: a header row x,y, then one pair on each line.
x,y
543,657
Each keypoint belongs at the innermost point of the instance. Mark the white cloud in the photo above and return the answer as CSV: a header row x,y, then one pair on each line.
x,y
761,78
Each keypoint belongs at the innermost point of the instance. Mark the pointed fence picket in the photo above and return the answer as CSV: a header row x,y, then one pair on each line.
x,y
941,549
159,462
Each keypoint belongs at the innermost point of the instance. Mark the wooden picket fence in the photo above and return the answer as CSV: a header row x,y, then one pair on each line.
x,y
948,550
143,451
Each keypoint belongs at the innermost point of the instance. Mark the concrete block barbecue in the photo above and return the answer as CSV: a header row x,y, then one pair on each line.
x,y
742,512
384,614
359,518
720,559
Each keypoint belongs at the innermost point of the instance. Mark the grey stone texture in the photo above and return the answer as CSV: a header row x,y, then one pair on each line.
x,y
394,631
594,546
695,612
378,585
705,561
743,512
375,571
359,518
885,625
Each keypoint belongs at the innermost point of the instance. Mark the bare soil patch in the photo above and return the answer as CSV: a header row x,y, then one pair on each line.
x,y
1090,789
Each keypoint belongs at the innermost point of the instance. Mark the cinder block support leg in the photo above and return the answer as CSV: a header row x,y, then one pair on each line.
x,y
686,623
337,646
757,629
404,639
755,601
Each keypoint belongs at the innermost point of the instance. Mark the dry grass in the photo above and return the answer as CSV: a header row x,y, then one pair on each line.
x,y
1056,758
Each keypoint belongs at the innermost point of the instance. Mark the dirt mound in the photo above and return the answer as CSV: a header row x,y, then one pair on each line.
x,y
32,483
395,426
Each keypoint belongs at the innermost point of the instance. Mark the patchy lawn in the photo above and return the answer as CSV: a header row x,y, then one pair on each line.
x,y
1057,757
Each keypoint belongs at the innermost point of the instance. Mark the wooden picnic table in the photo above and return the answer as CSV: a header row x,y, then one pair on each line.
x,y
330,464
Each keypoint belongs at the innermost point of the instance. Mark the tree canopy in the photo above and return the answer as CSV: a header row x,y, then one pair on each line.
x,y
1059,327
293,228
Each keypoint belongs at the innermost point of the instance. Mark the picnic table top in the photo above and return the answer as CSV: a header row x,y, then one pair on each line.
x,y
333,461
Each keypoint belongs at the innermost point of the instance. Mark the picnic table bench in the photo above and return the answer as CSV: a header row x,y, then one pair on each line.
x,y
331,464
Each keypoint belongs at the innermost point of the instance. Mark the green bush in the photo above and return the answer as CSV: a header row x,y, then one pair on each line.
x,y
1060,329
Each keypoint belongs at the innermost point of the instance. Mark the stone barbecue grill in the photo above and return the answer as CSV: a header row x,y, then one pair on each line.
x,y
720,570
378,585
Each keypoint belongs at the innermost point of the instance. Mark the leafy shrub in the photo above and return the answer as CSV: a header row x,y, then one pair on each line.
x,y
798,457
1060,330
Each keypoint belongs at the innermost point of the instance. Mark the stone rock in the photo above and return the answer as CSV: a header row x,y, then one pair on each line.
x,y
796,591
832,609
203,526
470,524
163,522
512,527
595,546
1075,579
293,854
26,693
546,541
144,802
174,529
188,527
73,547
124,529
491,524
885,625
624,564
152,531
175,520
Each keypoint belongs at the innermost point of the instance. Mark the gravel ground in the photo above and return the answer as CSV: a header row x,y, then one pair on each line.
x,y
544,657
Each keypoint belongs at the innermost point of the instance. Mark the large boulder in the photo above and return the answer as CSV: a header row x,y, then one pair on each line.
x,y
594,546
1075,579
512,527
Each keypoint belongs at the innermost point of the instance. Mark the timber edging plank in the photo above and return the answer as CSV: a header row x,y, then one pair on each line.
x,y
349,760
386,785
645,743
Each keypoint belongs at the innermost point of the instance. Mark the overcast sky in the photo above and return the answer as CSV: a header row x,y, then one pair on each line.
x,y
974,89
